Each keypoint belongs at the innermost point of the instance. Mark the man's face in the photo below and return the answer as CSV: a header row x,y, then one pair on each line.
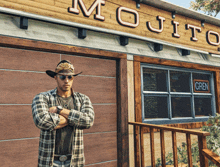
x,y
64,82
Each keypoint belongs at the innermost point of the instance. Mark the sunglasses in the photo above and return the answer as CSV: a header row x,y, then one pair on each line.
x,y
63,77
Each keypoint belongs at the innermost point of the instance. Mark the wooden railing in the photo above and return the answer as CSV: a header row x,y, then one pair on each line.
x,y
204,153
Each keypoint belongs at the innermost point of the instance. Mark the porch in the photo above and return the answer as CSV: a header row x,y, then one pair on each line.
x,y
139,151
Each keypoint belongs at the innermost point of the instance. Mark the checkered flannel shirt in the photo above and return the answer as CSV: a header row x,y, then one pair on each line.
x,y
81,117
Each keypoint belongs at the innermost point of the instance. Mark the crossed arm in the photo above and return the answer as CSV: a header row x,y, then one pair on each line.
x,y
47,118
63,117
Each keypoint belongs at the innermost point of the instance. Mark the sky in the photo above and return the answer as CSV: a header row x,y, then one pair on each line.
x,y
186,4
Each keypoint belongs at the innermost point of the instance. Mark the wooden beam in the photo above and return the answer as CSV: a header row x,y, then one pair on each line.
x,y
137,91
58,48
175,63
122,117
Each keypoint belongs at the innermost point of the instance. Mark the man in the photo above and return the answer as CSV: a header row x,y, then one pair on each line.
x,y
62,114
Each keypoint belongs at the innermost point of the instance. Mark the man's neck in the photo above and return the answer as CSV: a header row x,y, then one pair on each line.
x,y
64,94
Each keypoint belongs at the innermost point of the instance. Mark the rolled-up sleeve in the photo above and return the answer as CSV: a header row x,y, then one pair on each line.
x,y
40,111
84,118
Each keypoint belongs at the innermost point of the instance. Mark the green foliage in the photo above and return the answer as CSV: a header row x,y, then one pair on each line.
x,y
213,143
158,163
210,7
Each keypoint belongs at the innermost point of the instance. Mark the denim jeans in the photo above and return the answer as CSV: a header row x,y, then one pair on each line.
x,y
61,164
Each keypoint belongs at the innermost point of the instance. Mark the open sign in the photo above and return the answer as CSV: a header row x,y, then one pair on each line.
x,y
201,86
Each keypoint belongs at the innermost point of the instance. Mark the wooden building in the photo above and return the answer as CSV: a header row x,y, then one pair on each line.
x,y
146,61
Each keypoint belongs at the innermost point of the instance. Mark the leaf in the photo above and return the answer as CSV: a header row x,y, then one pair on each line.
x,y
210,7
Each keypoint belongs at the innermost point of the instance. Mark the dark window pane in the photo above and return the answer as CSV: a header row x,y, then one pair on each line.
x,y
179,81
155,80
201,76
202,106
201,83
155,107
181,107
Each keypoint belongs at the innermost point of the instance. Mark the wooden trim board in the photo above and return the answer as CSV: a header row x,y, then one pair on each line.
x,y
58,48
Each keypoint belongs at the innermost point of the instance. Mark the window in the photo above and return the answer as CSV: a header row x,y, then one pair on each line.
x,y
176,95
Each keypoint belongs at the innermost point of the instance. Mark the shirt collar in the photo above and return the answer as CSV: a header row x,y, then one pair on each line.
x,y
54,93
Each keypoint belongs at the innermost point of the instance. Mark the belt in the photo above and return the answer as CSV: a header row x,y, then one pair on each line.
x,y
62,158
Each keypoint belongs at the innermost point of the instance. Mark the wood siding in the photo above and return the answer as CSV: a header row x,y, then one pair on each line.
x,y
59,9
22,73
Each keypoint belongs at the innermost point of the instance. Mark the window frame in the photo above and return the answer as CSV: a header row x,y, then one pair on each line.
x,y
170,94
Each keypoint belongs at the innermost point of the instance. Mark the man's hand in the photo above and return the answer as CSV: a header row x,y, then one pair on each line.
x,y
63,122
65,113
53,109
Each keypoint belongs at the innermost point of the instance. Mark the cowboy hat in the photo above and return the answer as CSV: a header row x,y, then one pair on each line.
x,y
64,67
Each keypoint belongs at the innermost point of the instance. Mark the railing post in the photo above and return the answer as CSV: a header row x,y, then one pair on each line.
x,y
162,148
189,151
175,156
211,156
136,146
202,145
152,147
142,146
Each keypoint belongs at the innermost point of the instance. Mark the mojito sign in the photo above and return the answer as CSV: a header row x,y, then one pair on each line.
x,y
99,6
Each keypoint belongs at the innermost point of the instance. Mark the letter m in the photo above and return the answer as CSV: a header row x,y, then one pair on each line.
x,y
96,5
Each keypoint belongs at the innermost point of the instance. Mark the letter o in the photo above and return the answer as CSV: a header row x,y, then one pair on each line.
x,y
133,25
217,36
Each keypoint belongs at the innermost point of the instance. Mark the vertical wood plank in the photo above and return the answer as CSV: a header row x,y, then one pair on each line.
x,y
175,156
136,146
162,143
142,146
202,145
189,152
152,147
138,114
131,113
137,89
138,110
122,116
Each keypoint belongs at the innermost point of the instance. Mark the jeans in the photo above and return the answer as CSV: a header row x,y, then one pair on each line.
x,y
61,164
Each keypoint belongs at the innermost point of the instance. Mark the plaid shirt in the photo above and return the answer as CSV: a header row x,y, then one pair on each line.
x,y
81,117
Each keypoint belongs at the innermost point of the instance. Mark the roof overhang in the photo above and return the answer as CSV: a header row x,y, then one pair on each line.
x,y
182,11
